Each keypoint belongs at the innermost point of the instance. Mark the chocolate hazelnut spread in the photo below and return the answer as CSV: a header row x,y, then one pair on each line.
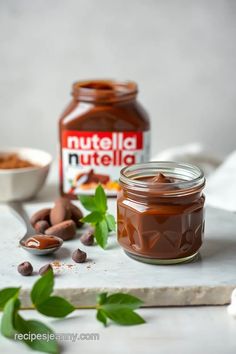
x,y
159,178
161,212
42,242
102,130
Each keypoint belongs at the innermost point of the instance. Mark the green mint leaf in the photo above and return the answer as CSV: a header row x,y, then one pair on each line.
x,y
119,308
100,199
37,328
8,317
101,233
42,289
93,218
55,306
6,294
88,202
111,223
120,300
101,316
124,316
101,298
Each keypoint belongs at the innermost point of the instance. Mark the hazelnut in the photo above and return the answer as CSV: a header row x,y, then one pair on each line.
x,y
45,269
42,214
87,238
25,268
79,256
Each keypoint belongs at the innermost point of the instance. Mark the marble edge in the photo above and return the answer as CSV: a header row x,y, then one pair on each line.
x,y
152,297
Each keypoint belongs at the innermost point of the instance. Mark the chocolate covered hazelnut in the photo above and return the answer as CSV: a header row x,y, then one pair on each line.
x,y
87,238
45,269
79,256
43,214
25,268
41,226
66,230
60,212
76,215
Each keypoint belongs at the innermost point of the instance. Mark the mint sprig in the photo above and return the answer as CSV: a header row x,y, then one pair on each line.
x,y
99,218
119,308
52,306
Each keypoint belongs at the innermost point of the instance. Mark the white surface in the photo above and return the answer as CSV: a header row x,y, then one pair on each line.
x,y
181,53
209,280
206,330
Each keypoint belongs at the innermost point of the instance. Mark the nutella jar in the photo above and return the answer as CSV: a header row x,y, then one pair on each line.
x,y
161,212
103,129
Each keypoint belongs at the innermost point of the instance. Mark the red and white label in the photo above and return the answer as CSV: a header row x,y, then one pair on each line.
x,y
89,158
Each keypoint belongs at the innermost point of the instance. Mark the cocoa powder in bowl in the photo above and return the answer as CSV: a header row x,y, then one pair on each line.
x,y
12,161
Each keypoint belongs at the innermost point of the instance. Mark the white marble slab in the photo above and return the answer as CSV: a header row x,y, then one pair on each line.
x,y
209,281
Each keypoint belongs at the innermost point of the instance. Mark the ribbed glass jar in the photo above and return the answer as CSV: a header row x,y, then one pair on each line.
x,y
161,223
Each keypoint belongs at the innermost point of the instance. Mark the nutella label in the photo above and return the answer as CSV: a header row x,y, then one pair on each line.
x,y
92,158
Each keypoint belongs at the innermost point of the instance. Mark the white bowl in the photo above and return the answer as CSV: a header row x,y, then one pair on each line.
x,y
24,183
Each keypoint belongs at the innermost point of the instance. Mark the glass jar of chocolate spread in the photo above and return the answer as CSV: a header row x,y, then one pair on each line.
x,y
161,212
103,129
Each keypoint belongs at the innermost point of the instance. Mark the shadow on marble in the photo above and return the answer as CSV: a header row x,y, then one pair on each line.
x,y
67,319
214,247
63,253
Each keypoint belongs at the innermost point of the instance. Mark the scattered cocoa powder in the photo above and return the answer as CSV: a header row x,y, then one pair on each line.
x,y
56,264
69,266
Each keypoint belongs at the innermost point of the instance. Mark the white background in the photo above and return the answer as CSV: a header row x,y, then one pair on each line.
x,y
181,53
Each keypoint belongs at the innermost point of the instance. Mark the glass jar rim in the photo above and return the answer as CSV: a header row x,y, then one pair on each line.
x,y
189,178
106,90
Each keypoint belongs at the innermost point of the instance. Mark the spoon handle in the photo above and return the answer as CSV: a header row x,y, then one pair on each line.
x,y
19,211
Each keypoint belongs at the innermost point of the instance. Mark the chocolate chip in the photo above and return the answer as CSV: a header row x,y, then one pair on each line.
x,y
60,212
41,226
79,256
25,268
87,238
45,269
66,230
42,214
